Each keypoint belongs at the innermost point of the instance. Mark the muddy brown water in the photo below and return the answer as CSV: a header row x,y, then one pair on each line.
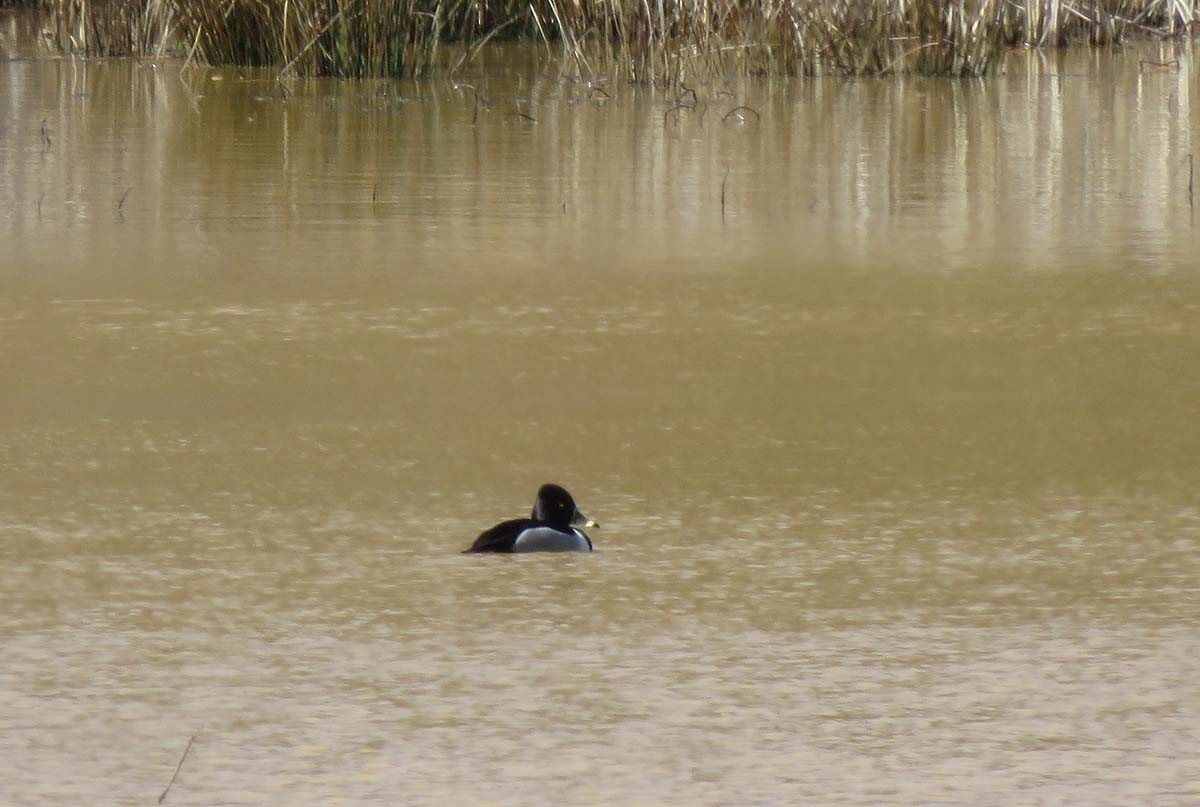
x,y
886,395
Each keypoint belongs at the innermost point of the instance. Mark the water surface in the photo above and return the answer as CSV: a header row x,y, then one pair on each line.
x,y
884,395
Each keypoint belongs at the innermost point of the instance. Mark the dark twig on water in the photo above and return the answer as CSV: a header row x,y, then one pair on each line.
x,y
374,193
724,179
480,101
1160,65
1191,178
737,110
124,196
177,767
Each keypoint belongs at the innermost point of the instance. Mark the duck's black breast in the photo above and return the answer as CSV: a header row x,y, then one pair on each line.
x,y
502,537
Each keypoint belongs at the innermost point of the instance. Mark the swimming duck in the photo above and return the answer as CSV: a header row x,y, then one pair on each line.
x,y
551,527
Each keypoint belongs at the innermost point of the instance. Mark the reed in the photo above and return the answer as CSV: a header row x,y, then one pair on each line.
x,y
112,27
175,775
1040,23
656,41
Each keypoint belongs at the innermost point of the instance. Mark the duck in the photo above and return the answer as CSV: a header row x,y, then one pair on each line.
x,y
551,527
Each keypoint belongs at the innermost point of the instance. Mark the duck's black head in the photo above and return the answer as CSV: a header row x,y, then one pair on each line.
x,y
555,507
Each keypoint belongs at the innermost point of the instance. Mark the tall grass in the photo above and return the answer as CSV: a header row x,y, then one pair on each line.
x,y
112,27
335,37
1038,23
660,41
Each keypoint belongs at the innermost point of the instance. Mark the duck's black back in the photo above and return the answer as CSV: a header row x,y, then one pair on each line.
x,y
502,537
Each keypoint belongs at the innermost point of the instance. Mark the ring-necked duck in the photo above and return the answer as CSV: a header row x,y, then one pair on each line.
x,y
551,528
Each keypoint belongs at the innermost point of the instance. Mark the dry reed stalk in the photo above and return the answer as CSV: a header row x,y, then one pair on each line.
x,y
177,767
737,111
652,41
470,53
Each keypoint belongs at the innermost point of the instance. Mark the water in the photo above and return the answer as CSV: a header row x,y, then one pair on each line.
x,y
894,454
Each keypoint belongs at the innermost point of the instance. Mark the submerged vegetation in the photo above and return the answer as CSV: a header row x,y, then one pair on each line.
x,y
659,41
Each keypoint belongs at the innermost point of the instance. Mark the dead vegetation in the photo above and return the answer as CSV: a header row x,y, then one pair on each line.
x,y
652,41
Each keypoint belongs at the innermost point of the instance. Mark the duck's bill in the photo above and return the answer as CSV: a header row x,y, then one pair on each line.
x,y
580,520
